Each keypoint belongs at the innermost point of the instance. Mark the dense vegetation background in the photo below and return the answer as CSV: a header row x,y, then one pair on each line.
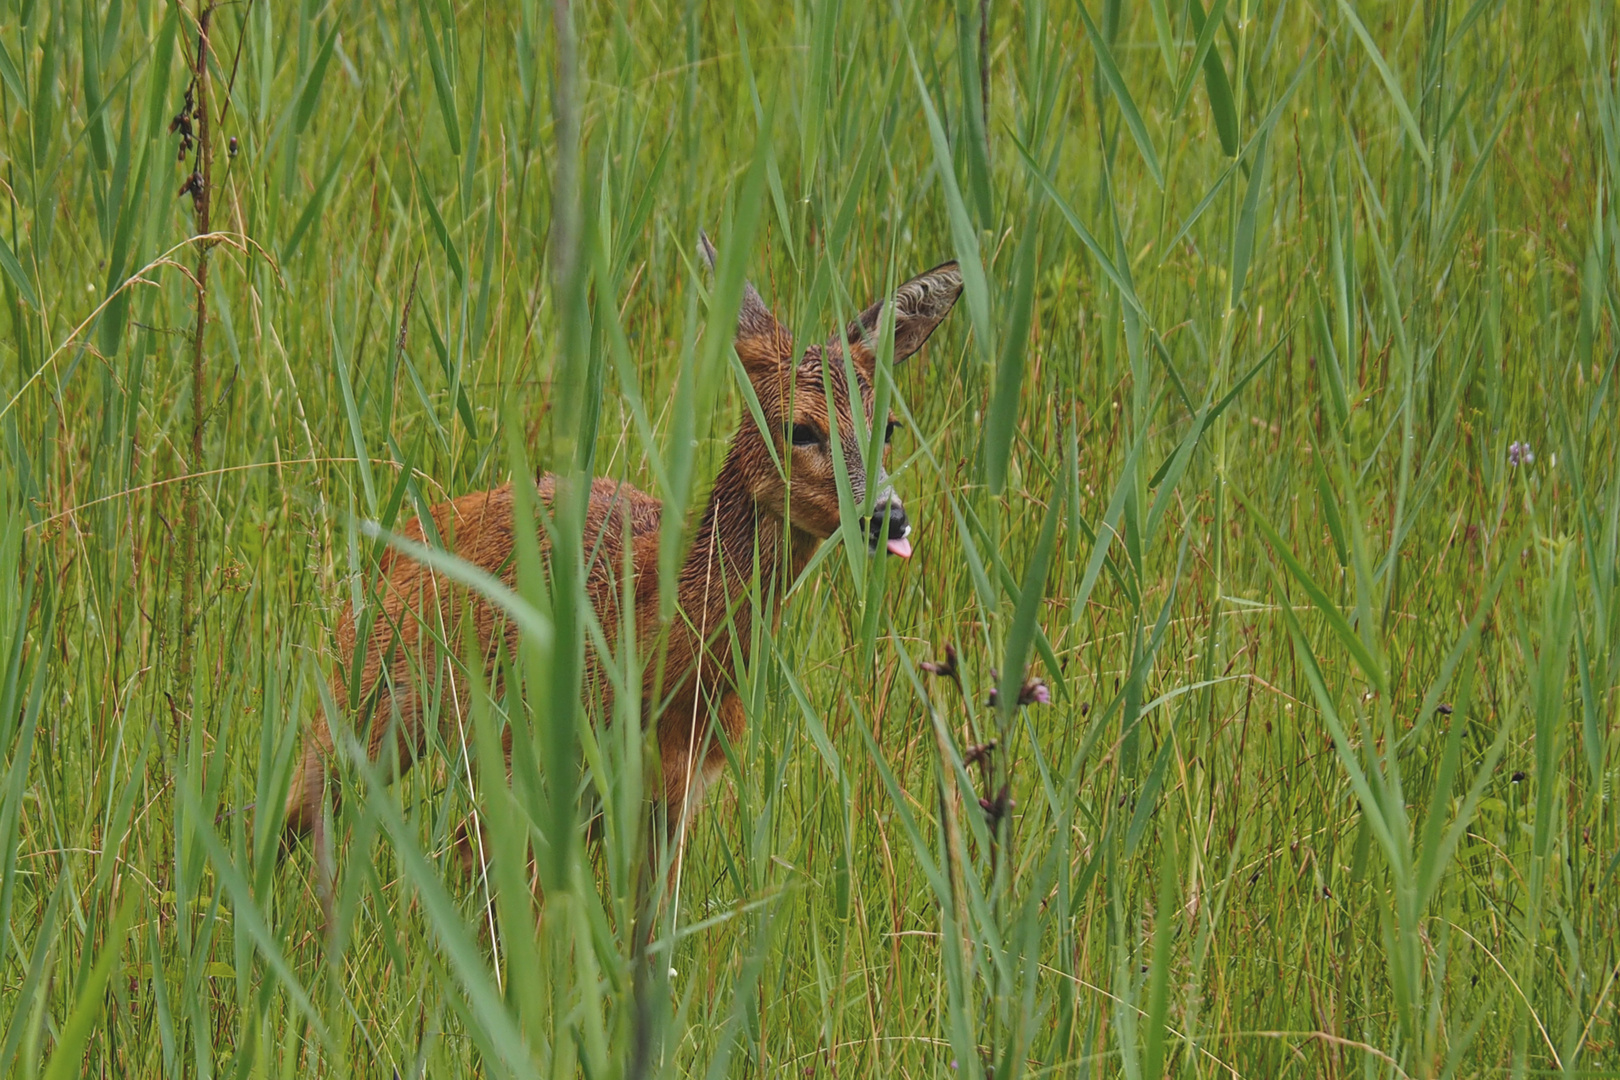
x,y
1275,431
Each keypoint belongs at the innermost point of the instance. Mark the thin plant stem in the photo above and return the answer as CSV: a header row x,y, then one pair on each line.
x,y
197,186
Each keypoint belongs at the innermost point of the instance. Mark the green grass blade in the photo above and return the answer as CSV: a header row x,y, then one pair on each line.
x,y
439,230
68,1057
9,74
1243,237
1216,84
1370,667
357,438
28,997
442,89
964,237
1022,631
1391,83
1122,95
1372,805
1003,417
1100,253
90,62
310,95
316,204
1164,936
1107,529
246,913
18,276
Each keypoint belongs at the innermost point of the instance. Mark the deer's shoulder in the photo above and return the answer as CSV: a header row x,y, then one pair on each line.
x,y
612,501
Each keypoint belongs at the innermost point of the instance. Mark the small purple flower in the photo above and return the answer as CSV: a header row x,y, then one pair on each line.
x,y
946,667
1519,453
1033,692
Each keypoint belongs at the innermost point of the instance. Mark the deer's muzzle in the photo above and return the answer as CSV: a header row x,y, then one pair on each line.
x,y
889,523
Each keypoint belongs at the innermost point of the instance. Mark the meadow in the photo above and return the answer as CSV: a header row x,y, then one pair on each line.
x,y
1274,434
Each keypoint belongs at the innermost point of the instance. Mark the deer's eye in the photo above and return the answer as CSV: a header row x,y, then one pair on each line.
x,y
805,435
888,432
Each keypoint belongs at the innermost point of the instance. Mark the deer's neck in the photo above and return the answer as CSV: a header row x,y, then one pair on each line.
x,y
739,541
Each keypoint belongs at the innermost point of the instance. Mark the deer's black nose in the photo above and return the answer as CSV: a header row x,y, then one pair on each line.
x,y
890,525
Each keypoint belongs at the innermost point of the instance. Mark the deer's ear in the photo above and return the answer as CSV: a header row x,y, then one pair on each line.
x,y
920,305
762,344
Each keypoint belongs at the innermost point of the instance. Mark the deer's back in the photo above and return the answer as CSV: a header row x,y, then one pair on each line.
x,y
419,608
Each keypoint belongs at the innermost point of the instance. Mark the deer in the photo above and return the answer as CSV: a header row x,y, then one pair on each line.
x,y
760,520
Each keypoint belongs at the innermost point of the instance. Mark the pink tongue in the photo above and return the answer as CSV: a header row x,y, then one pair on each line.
x,y
900,547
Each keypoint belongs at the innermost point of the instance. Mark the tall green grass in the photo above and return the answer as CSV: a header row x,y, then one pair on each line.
x,y
1220,446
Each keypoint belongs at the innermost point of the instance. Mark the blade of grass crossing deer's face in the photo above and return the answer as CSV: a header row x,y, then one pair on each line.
x,y
888,526
804,405
919,306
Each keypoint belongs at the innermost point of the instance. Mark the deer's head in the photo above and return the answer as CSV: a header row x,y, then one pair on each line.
x,y
809,407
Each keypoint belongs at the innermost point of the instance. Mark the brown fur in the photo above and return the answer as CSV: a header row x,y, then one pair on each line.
x,y
756,522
